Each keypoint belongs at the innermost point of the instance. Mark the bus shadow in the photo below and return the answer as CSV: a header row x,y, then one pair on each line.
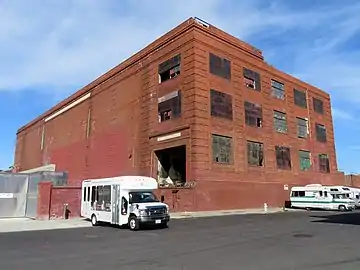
x,y
352,218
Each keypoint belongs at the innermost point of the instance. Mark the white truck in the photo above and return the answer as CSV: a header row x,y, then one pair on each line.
x,y
123,200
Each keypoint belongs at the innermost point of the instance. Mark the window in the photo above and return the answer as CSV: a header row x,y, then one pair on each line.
x,y
300,98
298,194
221,104
277,89
93,197
283,157
222,149
88,194
320,132
255,153
252,79
305,160
324,164
318,105
220,66
102,198
84,195
124,206
280,124
302,127
169,106
169,69
253,114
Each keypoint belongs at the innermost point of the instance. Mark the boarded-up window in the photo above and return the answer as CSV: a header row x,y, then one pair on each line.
x,y
277,89
221,104
300,98
252,79
169,106
222,149
220,66
318,105
253,114
255,153
169,69
305,160
283,157
320,132
302,127
280,124
324,164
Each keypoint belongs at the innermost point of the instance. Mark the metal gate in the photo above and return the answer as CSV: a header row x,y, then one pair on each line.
x,y
13,193
19,192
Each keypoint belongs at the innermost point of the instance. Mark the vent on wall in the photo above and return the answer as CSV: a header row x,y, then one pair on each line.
x,y
201,22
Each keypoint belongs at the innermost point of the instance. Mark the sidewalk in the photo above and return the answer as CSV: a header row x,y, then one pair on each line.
x,y
25,224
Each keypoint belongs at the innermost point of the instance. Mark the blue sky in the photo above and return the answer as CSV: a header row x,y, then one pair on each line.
x,y
49,49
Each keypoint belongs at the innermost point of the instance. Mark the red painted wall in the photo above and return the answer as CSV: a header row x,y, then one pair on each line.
x,y
65,195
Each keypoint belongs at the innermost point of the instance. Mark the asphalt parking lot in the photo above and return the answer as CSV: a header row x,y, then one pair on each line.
x,y
289,241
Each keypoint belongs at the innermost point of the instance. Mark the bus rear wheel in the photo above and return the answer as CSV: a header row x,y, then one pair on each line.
x,y
342,208
94,221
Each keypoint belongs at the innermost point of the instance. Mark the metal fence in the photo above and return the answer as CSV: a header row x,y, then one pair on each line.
x,y
19,192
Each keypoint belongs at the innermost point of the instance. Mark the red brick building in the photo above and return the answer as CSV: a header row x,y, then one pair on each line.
x,y
235,127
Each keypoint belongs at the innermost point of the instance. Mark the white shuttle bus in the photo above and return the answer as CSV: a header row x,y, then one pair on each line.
x,y
123,200
316,196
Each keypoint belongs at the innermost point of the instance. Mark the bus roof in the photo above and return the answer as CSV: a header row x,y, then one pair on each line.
x,y
127,182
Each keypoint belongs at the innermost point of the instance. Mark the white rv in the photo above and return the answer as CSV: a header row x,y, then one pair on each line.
x,y
316,196
124,200
353,193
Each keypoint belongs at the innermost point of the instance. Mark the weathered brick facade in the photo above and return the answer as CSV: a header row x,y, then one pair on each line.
x,y
115,129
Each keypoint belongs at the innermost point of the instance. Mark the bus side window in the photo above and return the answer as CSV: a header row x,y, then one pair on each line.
x,y
124,206
88,194
93,195
84,195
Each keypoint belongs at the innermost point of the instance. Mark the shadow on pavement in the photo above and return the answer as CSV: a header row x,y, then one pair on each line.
x,y
352,218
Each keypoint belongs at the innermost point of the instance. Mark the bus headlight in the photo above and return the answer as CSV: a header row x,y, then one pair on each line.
x,y
143,212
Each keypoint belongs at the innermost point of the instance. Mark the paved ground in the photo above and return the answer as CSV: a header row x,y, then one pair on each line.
x,y
283,241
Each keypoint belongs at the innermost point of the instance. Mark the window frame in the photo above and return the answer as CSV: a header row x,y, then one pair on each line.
x,y
281,163
229,154
320,137
300,127
259,159
300,101
277,92
225,105
220,66
278,119
301,157
173,104
316,103
324,168
254,76
253,111
173,63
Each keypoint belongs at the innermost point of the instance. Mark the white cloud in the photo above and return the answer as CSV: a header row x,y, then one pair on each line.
x,y
341,114
67,43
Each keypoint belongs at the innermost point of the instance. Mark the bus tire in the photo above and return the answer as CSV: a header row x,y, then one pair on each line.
x,y
133,223
94,221
342,208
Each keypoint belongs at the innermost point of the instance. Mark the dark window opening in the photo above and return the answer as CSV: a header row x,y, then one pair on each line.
x,y
124,206
93,197
302,127
298,194
305,160
222,149
283,157
171,167
318,105
280,123
252,79
88,194
142,197
221,104
277,89
300,98
169,106
320,132
169,69
220,66
324,163
255,153
84,195
253,114
101,198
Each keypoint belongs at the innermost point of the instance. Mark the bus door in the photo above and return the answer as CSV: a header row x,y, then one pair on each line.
x,y
86,200
116,204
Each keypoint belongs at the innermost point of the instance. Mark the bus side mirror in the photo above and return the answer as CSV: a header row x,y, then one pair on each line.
x,y
162,199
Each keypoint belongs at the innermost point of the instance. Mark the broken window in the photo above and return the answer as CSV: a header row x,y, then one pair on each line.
x,y
277,89
169,106
252,79
305,160
300,98
324,164
280,124
171,168
255,153
253,114
221,104
318,105
320,132
220,66
302,127
169,69
283,157
222,149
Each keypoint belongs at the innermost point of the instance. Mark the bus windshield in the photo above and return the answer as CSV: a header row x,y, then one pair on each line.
x,y
142,197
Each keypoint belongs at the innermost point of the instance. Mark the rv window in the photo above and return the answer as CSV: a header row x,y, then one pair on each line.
x,y
325,193
357,196
84,195
321,193
124,206
301,193
88,194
